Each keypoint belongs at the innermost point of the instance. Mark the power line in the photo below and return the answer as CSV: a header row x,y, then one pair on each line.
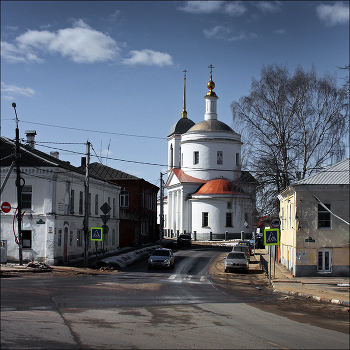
x,y
95,131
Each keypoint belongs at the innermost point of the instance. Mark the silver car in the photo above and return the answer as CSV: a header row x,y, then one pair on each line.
x,y
242,248
161,257
236,261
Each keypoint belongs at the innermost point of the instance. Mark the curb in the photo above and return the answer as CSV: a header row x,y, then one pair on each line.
x,y
317,298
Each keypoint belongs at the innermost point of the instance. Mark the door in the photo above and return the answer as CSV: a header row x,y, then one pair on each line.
x,y
324,260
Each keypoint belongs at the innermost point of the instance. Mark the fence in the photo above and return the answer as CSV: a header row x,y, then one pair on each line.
x,y
264,264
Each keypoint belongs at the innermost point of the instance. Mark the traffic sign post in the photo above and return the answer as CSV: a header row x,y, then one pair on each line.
x,y
96,233
271,238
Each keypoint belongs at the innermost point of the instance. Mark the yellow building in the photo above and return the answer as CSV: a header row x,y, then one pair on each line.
x,y
314,215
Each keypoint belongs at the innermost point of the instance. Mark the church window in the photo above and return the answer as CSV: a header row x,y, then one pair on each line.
x,y
229,205
212,106
196,157
219,157
228,220
171,156
237,159
205,219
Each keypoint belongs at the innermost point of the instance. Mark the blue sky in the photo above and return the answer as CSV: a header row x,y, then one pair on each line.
x,y
102,71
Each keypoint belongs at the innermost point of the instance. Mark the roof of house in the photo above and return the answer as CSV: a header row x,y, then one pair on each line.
x,y
30,157
109,173
337,174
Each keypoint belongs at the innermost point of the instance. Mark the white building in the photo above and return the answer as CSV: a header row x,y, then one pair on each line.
x,y
52,206
208,194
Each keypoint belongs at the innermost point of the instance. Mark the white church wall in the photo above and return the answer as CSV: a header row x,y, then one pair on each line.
x,y
208,167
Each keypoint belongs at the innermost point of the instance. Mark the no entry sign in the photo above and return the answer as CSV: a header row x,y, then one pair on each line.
x,y
6,207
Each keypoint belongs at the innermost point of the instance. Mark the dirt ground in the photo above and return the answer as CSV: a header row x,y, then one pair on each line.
x,y
255,286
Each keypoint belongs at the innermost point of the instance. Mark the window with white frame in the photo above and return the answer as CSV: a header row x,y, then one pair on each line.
x,y
59,238
81,202
71,237
71,202
324,260
124,199
79,238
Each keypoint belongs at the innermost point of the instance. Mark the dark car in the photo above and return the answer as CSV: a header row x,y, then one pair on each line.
x,y
242,248
161,257
247,243
184,239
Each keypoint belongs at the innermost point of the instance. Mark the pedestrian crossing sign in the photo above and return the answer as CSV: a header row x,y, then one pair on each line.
x,y
96,233
271,236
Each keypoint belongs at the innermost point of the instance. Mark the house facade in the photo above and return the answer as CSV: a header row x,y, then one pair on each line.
x,y
314,230
53,207
138,206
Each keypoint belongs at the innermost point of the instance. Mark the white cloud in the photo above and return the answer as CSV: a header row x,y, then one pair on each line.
x,y
335,14
81,44
281,31
17,90
233,8
269,6
224,33
149,58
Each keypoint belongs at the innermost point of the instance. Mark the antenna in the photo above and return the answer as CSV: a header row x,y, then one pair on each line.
x,y
108,151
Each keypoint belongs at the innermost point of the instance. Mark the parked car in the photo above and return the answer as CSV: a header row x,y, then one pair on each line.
x,y
242,248
247,243
236,261
161,257
184,239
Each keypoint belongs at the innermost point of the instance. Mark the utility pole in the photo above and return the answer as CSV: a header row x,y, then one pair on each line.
x,y
86,204
19,190
161,216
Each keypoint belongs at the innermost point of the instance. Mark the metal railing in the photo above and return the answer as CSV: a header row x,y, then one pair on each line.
x,y
264,264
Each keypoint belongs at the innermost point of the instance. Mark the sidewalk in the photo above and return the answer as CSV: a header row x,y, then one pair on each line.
x,y
327,289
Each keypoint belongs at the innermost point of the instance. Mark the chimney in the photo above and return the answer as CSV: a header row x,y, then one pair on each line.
x,y
30,138
55,154
298,175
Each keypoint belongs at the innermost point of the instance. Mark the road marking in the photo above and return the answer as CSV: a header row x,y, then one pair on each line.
x,y
172,277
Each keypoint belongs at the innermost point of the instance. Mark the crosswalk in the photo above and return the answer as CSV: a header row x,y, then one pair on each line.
x,y
176,278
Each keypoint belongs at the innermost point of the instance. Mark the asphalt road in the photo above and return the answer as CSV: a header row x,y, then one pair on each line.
x,y
179,308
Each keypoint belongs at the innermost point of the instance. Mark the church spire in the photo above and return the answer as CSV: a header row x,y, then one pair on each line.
x,y
211,99
184,112
211,84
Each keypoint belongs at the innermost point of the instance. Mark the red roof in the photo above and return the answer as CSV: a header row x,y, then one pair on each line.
x,y
219,186
183,177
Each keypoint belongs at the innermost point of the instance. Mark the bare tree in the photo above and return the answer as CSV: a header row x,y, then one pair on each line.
x,y
291,125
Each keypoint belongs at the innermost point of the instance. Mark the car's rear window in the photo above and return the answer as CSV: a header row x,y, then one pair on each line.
x,y
160,252
240,248
235,256
185,236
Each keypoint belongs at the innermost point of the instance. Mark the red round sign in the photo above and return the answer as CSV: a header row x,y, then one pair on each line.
x,y
255,225
275,222
5,207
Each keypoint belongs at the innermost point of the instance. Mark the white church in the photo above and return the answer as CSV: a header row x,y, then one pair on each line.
x,y
208,195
